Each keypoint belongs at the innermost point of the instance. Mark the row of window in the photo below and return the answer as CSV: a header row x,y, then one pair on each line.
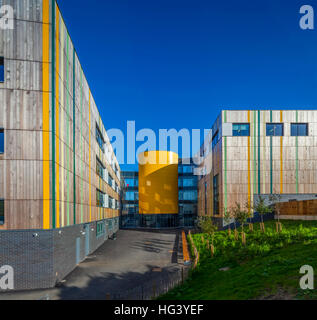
x,y
103,174
101,142
105,201
272,129
101,227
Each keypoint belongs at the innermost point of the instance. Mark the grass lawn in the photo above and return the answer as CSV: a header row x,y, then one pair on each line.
x,y
266,268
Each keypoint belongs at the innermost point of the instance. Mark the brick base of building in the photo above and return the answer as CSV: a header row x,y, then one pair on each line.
x,y
42,258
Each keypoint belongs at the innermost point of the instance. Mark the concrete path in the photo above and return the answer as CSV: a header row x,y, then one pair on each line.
x,y
134,259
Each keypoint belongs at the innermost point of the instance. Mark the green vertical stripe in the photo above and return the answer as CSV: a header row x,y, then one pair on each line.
x,y
68,127
271,156
225,182
53,120
259,152
297,156
74,132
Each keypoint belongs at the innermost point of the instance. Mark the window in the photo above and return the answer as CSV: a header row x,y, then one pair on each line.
x,y
216,194
100,198
299,129
1,141
241,129
110,181
274,129
1,69
100,230
1,212
99,168
188,195
130,196
110,202
187,182
130,182
215,139
99,138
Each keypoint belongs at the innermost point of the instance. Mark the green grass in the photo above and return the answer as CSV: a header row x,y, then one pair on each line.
x,y
267,266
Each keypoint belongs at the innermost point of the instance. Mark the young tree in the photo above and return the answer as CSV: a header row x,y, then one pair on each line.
x,y
241,215
262,210
207,225
275,200
249,208
227,217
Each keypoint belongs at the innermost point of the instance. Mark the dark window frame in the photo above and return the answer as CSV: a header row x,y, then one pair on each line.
x,y
2,134
1,69
98,162
2,216
274,124
241,124
100,203
215,139
300,123
101,143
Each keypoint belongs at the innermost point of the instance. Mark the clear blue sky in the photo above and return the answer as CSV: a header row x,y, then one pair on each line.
x,y
176,64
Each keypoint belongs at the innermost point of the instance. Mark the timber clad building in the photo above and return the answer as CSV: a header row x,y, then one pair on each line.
x,y
59,177
252,153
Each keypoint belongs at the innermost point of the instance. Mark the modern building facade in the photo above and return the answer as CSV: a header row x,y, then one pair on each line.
x,y
262,152
160,195
59,177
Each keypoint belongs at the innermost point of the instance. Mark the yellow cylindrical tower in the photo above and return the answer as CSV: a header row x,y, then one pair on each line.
x,y
158,182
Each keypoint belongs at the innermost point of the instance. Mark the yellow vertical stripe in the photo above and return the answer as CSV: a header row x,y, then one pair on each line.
x,y
62,127
89,164
45,115
57,119
249,167
281,156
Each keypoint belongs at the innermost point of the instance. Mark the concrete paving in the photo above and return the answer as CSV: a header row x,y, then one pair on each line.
x,y
135,258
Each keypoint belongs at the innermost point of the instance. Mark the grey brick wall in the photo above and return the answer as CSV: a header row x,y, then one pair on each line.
x,y
41,258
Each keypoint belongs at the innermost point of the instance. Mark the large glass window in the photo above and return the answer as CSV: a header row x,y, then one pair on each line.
x,y
274,129
1,212
187,182
130,182
299,129
216,194
188,195
1,141
130,196
99,138
1,69
241,129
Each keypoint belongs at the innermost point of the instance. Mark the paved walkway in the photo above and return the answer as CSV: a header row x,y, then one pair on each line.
x,y
135,258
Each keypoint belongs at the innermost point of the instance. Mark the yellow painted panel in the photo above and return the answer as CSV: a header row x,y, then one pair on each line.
x,y
158,182
57,120
45,114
